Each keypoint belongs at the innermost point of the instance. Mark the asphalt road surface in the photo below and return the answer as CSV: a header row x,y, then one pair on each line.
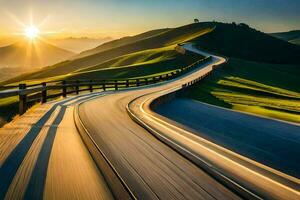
x,y
264,140
150,169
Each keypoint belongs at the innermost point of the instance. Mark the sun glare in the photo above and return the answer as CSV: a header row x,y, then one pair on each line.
x,y
31,32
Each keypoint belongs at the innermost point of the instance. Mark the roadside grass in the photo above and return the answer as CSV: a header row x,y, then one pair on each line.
x,y
263,89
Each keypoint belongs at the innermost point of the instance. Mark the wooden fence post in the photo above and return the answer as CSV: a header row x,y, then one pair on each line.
x,y
44,93
153,79
116,85
64,87
103,85
22,99
160,78
91,85
77,87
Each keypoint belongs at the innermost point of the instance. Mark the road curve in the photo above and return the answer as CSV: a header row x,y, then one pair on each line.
x,y
245,175
148,168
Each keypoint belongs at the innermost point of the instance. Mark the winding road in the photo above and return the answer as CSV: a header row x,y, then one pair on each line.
x,y
149,168
126,151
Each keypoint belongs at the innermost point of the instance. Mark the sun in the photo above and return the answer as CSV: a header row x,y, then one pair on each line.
x,y
31,32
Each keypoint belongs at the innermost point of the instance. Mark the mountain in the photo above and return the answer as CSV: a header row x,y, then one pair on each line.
x,y
290,36
80,44
31,54
242,41
10,72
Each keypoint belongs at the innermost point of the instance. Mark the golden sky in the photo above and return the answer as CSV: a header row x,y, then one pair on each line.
x,y
117,18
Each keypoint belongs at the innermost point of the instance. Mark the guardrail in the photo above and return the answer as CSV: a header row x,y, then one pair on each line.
x,y
41,92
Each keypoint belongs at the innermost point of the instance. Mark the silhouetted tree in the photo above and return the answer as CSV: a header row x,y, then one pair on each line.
x,y
196,20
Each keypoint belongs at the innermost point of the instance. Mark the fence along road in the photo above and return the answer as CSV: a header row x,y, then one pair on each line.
x,y
41,152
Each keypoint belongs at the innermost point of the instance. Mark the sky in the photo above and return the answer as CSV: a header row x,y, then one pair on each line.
x,y
117,18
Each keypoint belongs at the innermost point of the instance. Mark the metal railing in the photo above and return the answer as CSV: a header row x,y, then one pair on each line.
x,y
49,90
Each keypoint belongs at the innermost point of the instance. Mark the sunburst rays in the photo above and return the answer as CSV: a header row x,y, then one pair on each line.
x,y
33,37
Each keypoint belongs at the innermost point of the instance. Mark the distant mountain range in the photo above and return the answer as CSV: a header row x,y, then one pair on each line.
x,y
32,54
290,36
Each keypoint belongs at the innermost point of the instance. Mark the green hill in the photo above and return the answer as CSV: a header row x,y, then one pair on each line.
x,y
260,88
121,42
290,36
138,64
241,41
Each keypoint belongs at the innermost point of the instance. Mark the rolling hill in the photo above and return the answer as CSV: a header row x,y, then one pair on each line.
x,y
290,36
121,42
241,41
32,54
138,64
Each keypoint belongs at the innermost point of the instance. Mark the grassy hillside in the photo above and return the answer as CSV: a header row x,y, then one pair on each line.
x,y
139,64
265,89
121,42
290,36
241,41
164,39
